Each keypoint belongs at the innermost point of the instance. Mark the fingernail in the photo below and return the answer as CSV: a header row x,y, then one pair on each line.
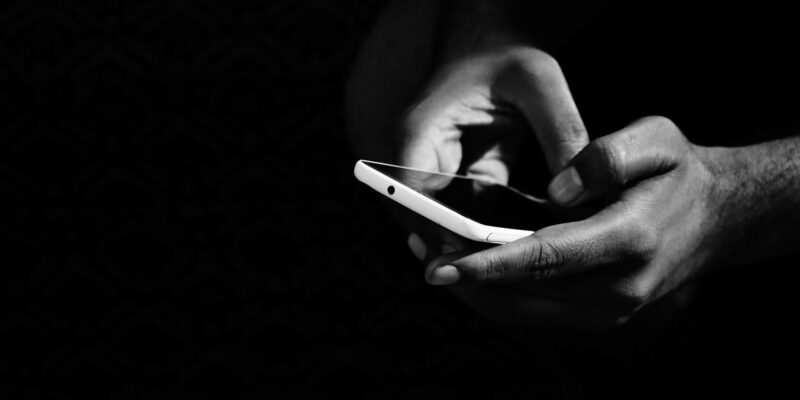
x,y
566,187
444,275
417,246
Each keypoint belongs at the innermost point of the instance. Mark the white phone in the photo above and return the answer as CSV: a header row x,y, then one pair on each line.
x,y
477,209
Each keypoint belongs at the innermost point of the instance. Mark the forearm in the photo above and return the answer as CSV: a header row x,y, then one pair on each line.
x,y
757,193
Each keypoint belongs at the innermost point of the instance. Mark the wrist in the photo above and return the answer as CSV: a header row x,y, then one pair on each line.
x,y
726,225
754,200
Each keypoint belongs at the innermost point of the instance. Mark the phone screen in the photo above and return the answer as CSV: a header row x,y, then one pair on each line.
x,y
481,200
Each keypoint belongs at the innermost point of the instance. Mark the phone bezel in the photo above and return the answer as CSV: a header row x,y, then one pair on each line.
x,y
432,209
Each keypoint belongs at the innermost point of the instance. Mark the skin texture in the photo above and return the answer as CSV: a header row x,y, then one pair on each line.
x,y
677,210
649,237
490,90
667,210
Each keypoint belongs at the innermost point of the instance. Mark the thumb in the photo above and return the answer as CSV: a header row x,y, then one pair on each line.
x,y
647,147
557,250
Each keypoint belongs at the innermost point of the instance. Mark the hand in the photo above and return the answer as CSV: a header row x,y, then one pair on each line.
x,y
473,113
652,236
469,116
475,107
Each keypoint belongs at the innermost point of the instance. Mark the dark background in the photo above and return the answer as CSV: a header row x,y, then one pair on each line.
x,y
179,217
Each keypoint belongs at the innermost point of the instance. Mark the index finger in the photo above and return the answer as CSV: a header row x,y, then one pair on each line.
x,y
536,85
603,239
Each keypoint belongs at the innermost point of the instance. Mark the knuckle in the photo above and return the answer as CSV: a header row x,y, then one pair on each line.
x,y
637,240
534,61
661,121
541,261
529,256
543,63
537,261
608,157
663,124
572,133
495,268
550,257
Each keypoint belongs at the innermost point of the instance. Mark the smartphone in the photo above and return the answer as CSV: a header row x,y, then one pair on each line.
x,y
477,209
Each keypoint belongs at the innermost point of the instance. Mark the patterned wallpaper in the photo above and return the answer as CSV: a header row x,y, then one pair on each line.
x,y
179,221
